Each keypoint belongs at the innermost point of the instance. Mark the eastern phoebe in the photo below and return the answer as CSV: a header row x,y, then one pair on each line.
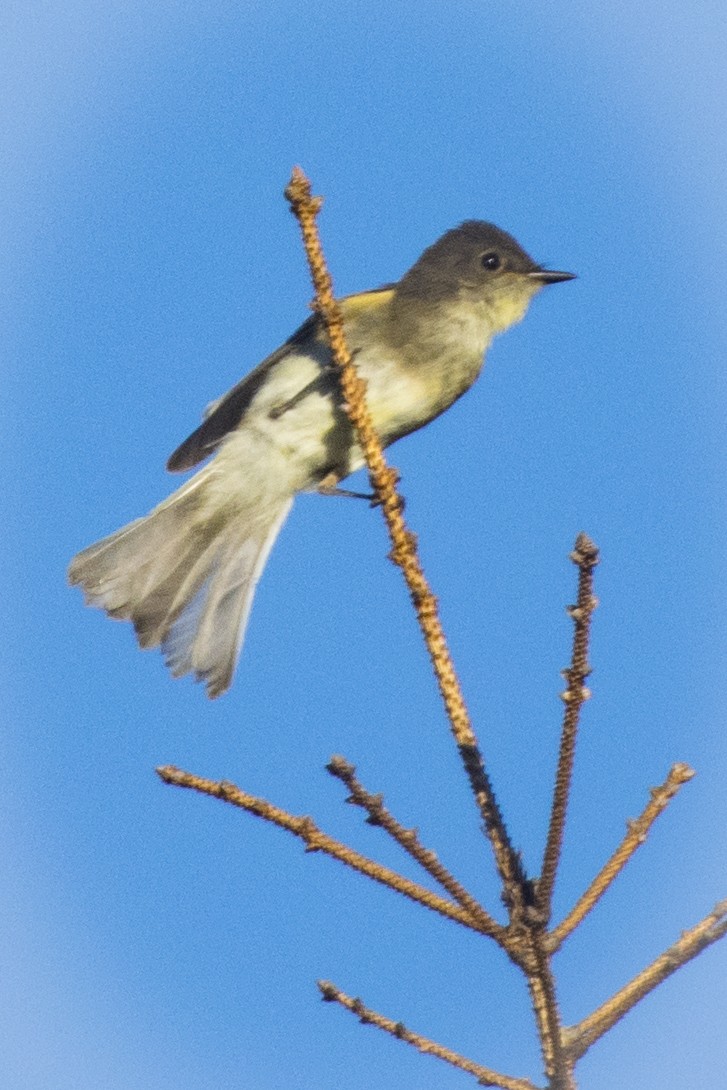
x,y
186,573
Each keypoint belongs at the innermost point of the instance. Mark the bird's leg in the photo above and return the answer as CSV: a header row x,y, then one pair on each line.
x,y
329,487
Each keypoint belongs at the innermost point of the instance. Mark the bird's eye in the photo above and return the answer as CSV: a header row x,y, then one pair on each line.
x,y
491,261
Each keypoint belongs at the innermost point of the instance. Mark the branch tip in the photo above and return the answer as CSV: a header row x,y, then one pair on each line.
x,y
585,552
299,194
339,767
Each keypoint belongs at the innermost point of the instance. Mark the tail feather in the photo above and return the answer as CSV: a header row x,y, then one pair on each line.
x,y
163,602
185,575
206,635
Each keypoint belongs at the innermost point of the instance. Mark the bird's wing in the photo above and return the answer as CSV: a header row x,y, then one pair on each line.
x,y
224,416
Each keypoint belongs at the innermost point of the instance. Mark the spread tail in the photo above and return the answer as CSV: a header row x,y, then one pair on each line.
x,y
185,575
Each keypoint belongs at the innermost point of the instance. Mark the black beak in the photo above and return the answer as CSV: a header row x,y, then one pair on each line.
x,y
550,276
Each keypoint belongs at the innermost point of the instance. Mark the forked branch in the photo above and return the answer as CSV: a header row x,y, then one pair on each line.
x,y
525,939
317,841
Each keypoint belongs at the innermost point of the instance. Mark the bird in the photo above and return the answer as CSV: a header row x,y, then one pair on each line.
x,y
185,574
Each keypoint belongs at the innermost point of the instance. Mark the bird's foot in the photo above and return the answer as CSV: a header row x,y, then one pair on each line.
x,y
329,487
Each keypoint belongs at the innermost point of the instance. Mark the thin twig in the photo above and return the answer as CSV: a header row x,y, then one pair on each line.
x,y
661,796
585,556
484,1075
409,841
316,840
404,550
713,927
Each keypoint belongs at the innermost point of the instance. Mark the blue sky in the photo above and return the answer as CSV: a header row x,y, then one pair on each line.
x,y
155,939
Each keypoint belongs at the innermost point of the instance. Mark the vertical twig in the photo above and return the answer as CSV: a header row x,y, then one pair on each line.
x,y
585,556
541,984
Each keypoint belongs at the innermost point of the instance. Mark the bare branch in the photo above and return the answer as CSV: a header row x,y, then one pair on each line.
x,y
541,984
713,927
484,1075
409,841
315,840
661,796
585,556
404,549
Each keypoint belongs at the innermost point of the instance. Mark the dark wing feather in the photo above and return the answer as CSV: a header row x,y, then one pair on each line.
x,y
231,408
226,415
